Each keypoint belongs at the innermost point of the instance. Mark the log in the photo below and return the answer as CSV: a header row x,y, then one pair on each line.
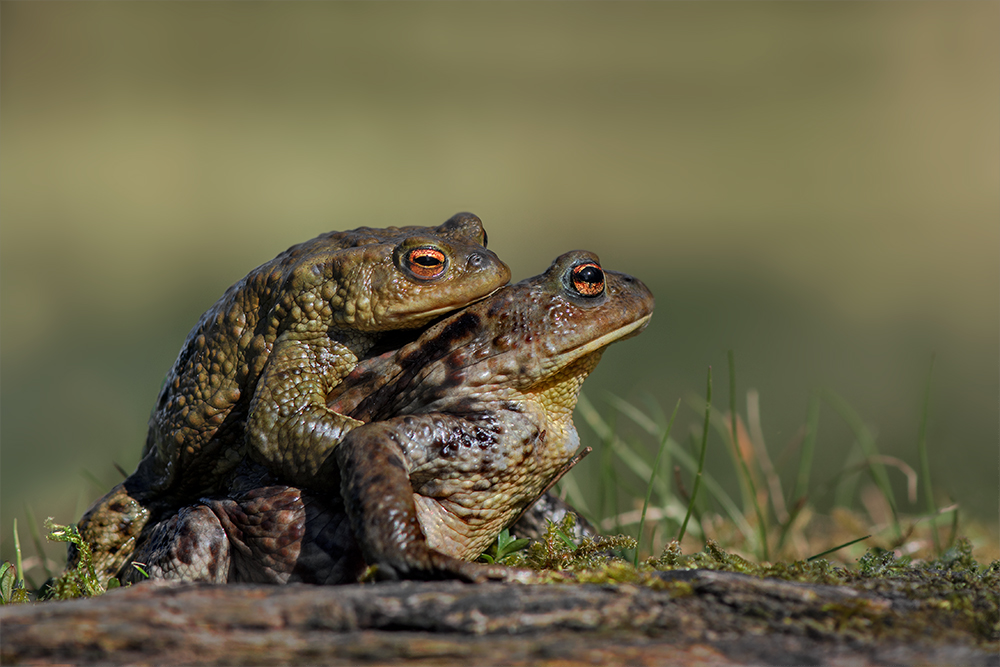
x,y
699,617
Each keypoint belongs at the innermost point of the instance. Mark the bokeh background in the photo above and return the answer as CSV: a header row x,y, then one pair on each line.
x,y
815,186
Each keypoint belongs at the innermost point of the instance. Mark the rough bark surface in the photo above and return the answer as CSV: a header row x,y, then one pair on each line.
x,y
711,618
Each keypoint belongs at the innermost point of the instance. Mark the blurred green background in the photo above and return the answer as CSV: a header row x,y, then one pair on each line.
x,y
815,186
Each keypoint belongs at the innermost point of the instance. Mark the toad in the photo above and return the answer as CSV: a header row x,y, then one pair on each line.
x,y
252,378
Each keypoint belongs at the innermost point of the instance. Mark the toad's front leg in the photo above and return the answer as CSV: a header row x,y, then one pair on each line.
x,y
290,430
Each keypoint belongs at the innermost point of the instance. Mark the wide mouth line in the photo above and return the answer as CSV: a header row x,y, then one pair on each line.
x,y
453,308
605,340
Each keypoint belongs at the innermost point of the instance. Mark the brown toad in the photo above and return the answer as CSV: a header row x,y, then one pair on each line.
x,y
253,375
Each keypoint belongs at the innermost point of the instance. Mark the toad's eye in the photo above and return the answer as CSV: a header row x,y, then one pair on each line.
x,y
426,263
588,279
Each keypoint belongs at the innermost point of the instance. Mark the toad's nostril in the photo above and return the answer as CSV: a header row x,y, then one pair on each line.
x,y
477,260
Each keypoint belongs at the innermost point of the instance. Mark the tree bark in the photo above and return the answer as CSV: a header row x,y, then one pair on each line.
x,y
696,617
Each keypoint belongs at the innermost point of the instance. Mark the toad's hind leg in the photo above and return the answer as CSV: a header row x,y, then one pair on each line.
x,y
281,534
379,500
191,545
272,535
110,528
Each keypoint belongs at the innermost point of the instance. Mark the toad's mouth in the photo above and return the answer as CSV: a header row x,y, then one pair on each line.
x,y
437,314
621,333
393,340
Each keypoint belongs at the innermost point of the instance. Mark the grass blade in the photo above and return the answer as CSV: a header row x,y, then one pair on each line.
x,y
954,529
830,551
867,442
632,461
36,537
17,554
808,446
606,434
644,421
786,526
771,479
574,494
744,469
641,469
649,486
925,466
701,456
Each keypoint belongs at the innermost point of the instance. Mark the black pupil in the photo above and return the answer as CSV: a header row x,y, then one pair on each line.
x,y
589,274
426,260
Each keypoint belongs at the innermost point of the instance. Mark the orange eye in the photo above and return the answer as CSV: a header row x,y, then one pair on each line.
x,y
426,263
588,279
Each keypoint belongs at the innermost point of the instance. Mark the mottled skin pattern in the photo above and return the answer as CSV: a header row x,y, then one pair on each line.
x,y
252,377
465,428
269,534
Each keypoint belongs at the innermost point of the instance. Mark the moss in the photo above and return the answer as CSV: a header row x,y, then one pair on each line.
x,y
557,550
81,581
948,598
